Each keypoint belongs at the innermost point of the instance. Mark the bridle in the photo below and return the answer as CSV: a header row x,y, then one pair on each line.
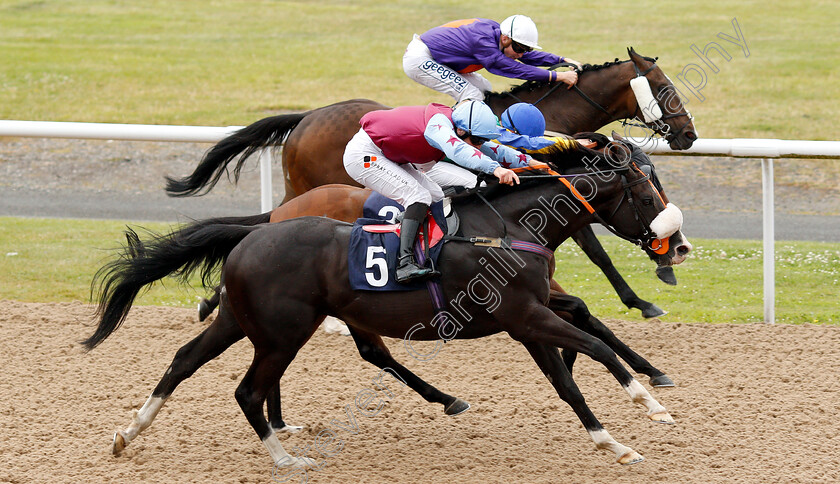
x,y
658,126
648,239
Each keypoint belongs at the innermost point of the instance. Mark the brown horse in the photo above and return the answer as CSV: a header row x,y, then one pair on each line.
x,y
280,280
315,140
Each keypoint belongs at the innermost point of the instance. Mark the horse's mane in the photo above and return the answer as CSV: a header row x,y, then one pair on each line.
x,y
529,86
560,160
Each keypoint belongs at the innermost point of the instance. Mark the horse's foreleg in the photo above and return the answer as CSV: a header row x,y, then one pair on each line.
x,y
543,326
275,413
373,350
549,362
573,309
219,336
590,245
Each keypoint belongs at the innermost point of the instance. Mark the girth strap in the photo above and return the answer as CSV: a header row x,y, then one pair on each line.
x,y
504,243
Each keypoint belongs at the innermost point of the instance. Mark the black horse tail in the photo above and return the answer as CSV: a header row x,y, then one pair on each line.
x,y
243,143
202,245
136,248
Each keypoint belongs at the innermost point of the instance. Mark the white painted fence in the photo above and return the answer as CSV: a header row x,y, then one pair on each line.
x,y
766,149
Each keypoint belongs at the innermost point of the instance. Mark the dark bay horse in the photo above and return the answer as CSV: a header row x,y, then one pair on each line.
x,y
315,140
281,280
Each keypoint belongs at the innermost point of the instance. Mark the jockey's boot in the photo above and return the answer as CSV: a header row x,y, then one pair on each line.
x,y
408,270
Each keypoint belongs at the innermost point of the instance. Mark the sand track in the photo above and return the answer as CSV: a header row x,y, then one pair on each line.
x,y
754,403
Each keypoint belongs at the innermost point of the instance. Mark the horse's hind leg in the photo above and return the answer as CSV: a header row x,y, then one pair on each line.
x,y
273,352
590,245
373,350
579,316
548,359
206,306
218,337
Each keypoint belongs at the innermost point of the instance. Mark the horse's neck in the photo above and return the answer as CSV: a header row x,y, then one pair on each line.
x,y
566,111
546,214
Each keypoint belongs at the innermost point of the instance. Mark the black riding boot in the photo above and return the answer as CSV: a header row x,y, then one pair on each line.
x,y
408,270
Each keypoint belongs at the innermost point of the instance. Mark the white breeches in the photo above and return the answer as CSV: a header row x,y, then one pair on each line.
x,y
402,183
448,174
419,65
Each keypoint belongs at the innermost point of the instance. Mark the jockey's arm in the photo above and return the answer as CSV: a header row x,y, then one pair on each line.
x,y
440,133
505,155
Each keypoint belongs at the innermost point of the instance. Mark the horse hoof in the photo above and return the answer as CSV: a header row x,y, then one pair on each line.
x,y
333,325
653,311
118,444
290,461
289,429
662,417
204,310
666,275
629,458
456,408
661,381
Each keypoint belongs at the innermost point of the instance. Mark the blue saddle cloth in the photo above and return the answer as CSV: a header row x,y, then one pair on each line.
x,y
372,257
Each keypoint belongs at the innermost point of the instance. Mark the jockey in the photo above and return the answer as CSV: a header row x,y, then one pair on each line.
x,y
381,156
445,58
524,129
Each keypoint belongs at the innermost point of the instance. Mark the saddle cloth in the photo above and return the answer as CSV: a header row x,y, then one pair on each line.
x,y
375,244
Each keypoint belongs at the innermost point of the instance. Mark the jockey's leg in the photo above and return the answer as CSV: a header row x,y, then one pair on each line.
x,y
451,175
419,65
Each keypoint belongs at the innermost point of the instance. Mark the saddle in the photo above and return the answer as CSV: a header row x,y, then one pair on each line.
x,y
374,243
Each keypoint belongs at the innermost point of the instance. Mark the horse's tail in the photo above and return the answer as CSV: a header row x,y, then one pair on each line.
x,y
202,245
243,143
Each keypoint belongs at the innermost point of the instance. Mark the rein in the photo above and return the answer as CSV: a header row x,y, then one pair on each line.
x,y
658,126
648,238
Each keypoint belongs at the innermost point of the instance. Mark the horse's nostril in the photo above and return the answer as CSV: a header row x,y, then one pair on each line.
x,y
691,135
683,250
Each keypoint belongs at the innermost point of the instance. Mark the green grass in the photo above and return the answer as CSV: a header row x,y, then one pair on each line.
x,y
54,260
233,62
49,260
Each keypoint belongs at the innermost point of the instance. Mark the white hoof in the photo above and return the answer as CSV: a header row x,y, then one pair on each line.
x,y
292,462
118,444
289,429
631,457
662,417
332,325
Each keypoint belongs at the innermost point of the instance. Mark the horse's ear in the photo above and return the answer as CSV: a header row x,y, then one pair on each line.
x,y
631,52
616,136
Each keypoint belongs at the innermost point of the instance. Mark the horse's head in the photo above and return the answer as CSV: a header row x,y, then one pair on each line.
x,y
658,103
627,198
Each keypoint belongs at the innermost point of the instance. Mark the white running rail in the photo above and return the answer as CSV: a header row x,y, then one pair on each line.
x,y
766,149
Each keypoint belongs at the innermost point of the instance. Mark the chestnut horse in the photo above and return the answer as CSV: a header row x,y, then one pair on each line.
x,y
281,280
315,140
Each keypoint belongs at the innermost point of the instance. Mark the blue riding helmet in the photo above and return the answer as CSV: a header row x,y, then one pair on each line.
x,y
477,119
524,119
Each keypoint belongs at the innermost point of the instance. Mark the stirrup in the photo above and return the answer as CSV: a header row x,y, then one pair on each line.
x,y
410,272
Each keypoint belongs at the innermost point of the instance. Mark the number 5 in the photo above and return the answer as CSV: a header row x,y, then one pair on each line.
x,y
373,262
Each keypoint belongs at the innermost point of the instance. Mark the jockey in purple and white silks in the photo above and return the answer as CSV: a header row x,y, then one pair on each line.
x,y
445,58
382,155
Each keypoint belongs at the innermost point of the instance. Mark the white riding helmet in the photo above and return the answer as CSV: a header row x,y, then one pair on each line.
x,y
521,29
477,119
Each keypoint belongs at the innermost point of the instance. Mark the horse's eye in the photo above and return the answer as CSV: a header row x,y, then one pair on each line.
x,y
647,201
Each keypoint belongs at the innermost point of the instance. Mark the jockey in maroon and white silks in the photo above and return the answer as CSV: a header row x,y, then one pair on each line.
x,y
382,155
445,58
